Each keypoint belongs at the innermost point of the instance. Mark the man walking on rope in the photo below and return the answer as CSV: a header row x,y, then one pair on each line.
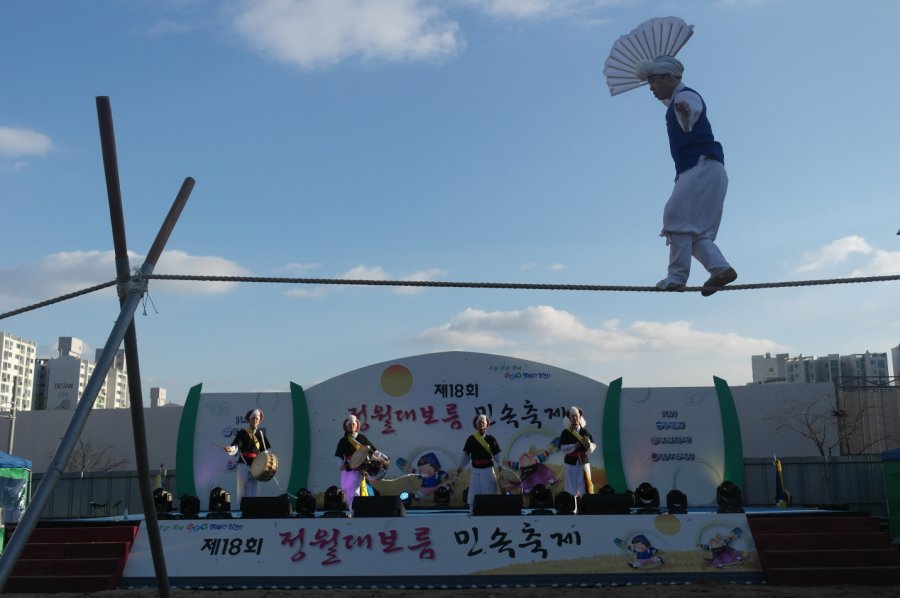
x,y
692,215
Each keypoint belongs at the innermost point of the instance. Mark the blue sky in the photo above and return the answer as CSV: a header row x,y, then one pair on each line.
x,y
454,140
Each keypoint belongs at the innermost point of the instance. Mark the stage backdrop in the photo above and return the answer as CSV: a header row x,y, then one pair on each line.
x,y
418,411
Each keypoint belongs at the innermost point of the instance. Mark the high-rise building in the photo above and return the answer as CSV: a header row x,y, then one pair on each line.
x,y
157,397
116,381
861,369
800,369
865,369
768,369
68,374
17,361
895,359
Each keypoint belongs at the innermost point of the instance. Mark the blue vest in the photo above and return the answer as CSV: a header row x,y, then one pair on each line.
x,y
687,148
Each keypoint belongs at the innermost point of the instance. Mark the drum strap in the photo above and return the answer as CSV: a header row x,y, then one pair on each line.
x,y
252,434
483,442
363,487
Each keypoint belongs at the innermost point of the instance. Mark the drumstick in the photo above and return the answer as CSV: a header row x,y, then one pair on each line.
x,y
220,445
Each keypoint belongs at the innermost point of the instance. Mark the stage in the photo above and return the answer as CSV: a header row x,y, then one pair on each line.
x,y
449,548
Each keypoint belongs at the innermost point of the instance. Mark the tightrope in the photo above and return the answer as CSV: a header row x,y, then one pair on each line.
x,y
450,284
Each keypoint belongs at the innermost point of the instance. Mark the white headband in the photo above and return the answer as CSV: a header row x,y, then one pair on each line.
x,y
661,65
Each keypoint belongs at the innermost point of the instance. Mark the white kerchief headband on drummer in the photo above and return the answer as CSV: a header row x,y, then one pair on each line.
x,y
577,412
350,421
661,65
254,413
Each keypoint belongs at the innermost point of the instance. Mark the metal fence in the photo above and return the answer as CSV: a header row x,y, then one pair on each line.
x,y
856,483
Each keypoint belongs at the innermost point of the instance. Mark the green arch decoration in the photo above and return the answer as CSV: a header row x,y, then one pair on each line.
x,y
612,442
184,451
302,440
731,435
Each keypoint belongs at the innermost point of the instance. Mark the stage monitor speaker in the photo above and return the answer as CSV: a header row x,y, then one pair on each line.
x,y
265,507
378,506
497,504
605,504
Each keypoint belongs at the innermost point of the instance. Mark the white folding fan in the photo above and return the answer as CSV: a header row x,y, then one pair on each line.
x,y
648,40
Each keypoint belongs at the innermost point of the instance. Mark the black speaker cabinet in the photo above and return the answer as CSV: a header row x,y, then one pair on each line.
x,y
604,504
265,507
378,506
497,504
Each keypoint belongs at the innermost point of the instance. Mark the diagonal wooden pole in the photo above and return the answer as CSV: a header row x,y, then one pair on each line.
x,y
136,290
123,273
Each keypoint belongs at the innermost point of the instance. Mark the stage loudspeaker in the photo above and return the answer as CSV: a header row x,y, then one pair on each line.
x,y
605,504
265,507
378,506
497,504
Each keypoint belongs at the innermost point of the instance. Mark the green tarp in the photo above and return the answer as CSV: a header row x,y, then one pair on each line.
x,y
15,486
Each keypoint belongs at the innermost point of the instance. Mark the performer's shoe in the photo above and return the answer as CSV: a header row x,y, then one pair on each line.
x,y
667,284
718,281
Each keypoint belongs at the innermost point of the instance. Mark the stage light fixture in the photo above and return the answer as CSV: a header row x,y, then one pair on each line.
x,y
189,506
306,503
728,498
676,502
540,500
646,499
565,503
162,500
442,497
219,504
335,505
606,489
406,499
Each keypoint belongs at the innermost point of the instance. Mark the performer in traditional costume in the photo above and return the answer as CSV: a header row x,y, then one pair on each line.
x,y
692,215
482,450
249,443
577,443
353,482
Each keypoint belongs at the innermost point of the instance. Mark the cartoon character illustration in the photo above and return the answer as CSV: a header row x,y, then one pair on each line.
x,y
721,553
645,554
429,469
533,472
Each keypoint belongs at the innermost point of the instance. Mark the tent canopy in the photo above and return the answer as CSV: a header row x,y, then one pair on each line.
x,y
891,455
7,460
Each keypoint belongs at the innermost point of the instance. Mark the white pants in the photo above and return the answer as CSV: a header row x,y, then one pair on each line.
x,y
575,479
247,485
691,220
481,481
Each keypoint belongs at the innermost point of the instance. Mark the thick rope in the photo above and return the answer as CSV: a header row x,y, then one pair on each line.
x,y
514,285
59,299
142,282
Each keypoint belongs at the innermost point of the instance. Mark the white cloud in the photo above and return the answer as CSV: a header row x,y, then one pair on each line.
x,y
875,262
834,253
422,275
549,335
70,271
534,9
363,272
179,262
882,263
320,33
23,142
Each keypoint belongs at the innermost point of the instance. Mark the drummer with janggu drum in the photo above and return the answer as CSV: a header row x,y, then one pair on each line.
x,y
355,456
253,447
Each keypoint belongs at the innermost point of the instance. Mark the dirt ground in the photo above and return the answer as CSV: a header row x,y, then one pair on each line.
x,y
635,591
